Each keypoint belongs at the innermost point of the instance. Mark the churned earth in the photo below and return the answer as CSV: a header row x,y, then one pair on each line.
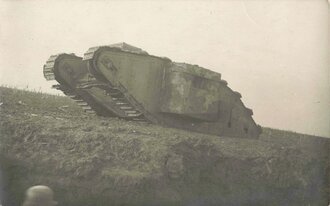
x,y
91,160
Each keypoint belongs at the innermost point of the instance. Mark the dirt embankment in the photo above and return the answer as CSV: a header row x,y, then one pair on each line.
x,y
91,160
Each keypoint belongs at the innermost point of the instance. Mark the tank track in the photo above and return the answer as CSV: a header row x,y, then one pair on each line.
x,y
49,67
75,97
126,103
139,113
49,74
122,100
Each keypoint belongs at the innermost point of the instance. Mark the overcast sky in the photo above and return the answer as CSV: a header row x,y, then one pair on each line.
x,y
275,53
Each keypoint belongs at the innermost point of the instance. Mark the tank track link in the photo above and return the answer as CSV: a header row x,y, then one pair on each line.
x,y
125,104
121,101
75,97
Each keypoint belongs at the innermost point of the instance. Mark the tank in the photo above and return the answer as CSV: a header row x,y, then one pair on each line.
x,y
124,81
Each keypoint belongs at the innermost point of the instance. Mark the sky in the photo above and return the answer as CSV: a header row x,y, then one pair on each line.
x,y
274,52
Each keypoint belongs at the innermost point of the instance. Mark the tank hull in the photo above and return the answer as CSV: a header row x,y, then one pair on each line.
x,y
160,91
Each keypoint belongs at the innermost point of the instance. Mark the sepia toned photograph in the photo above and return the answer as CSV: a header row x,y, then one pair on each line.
x,y
164,103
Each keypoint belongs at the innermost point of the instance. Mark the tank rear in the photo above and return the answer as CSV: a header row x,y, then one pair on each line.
x,y
201,101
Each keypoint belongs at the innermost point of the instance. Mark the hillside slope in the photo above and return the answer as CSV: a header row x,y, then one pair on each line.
x,y
90,160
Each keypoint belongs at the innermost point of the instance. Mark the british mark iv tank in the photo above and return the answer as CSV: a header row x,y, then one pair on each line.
x,y
124,81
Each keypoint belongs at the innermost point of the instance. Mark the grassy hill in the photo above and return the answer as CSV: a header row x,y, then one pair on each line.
x,y
91,160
